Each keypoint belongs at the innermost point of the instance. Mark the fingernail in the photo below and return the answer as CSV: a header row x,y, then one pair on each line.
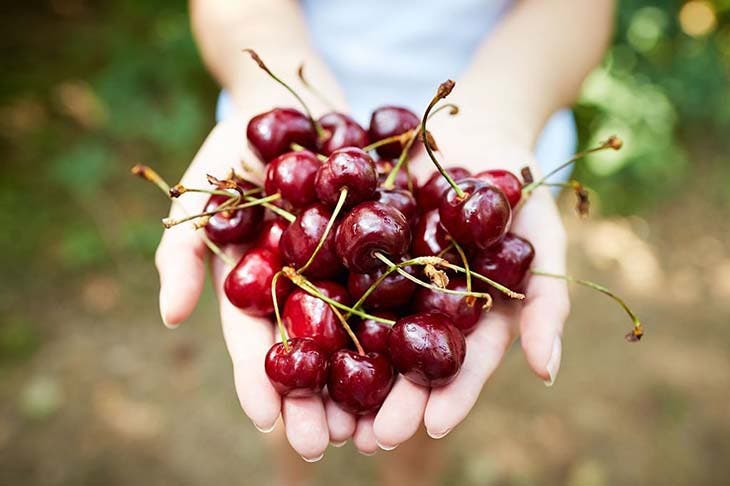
x,y
313,459
438,435
265,430
553,364
338,444
163,312
368,454
386,447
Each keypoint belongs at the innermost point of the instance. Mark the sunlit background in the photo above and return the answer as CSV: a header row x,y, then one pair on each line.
x,y
94,390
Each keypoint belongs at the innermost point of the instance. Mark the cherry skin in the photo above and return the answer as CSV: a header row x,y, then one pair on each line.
x,y
292,175
455,307
506,181
384,167
238,226
431,239
388,121
402,200
272,133
369,228
427,349
341,131
393,292
373,335
299,372
349,167
431,193
310,316
271,235
506,263
248,285
478,220
358,383
301,238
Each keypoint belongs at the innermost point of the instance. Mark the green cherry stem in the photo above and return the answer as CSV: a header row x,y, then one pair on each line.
x,y
508,292
389,182
275,300
312,89
327,230
348,330
226,206
301,148
464,261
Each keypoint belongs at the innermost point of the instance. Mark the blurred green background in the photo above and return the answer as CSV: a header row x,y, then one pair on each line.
x,y
94,390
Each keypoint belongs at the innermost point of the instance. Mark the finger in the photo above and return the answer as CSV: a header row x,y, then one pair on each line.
x,y
485,347
248,339
306,426
341,424
364,438
401,414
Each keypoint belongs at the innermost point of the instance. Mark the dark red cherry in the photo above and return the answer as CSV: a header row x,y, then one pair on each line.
x,y
478,220
384,167
431,193
248,285
272,133
373,335
402,200
292,175
393,292
341,131
431,239
271,235
307,315
506,181
301,238
359,383
349,167
506,262
455,307
369,228
299,372
427,349
388,121
233,227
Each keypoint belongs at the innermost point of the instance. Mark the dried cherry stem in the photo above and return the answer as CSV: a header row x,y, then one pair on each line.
x,y
453,109
582,196
327,229
178,190
257,60
636,332
613,142
508,292
465,262
418,281
275,300
301,148
170,222
312,89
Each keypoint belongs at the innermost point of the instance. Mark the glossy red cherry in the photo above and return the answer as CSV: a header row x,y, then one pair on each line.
x,y
478,220
388,121
373,335
506,181
427,349
393,292
402,200
359,383
431,239
369,228
506,262
384,167
431,193
292,175
299,372
248,285
271,235
310,316
272,133
455,307
233,227
349,167
341,131
301,238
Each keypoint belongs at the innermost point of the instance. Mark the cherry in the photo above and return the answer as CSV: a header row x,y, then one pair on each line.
x,y
340,131
402,200
350,168
300,371
233,226
456,307
248,285
388,121
271,235
369,228
480,218
292,175
427,349
431,193
393,292
272,133
301,238
307,315
507,262
373,335
506,181
359,383
384,167
431,239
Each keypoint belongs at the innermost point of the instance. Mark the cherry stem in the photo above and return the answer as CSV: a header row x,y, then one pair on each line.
x,y
389,182
508,292
636,333
418,281
465,261
327,229
348,330
226,206
257,60
301,148
275,300
453,109
178,190
613,142
400,138
312,89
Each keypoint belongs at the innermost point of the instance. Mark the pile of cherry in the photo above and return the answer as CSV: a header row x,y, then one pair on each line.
x,y
366,274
